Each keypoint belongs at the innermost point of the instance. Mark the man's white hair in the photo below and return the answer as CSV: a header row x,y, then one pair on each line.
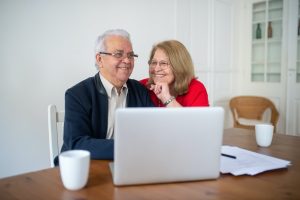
x,y
100,42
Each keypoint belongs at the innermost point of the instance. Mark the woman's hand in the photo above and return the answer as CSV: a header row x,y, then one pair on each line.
x,y
161,90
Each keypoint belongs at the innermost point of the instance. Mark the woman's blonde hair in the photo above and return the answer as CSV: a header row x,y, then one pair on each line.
x,y
180,62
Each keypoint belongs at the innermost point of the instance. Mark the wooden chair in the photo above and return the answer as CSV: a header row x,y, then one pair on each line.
x,y
249,110
55,130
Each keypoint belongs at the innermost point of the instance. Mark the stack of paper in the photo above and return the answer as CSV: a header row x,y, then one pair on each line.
x,y
248,162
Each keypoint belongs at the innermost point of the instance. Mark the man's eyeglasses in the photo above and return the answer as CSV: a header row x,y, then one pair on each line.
x,y
121,55
162,64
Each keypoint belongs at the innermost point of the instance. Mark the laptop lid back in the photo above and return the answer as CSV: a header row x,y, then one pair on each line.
x,y
154,145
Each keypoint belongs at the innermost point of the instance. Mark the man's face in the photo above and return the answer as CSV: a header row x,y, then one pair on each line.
x,y
116,70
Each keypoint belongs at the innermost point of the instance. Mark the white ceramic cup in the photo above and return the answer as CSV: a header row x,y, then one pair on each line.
x,y
74,168
264,134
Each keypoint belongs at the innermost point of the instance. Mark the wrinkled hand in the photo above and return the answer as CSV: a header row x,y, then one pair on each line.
x,y
161,90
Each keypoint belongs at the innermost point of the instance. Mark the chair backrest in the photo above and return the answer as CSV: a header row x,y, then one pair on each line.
x,y
55,129
252,108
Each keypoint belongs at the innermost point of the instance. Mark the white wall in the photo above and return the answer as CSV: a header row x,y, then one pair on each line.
x,y
47,46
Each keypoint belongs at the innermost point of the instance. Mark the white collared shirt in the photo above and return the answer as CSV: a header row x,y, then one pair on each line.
x,y
115,101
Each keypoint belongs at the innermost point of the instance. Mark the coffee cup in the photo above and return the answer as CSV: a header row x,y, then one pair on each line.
x,y
74,168
264,134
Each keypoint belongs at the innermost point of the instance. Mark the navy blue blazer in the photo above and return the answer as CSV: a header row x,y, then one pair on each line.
x,y
86,116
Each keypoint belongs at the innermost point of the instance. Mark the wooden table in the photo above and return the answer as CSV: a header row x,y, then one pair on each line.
x,y
278,184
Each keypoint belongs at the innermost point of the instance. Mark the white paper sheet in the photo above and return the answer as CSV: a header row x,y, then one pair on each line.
x,y
248,162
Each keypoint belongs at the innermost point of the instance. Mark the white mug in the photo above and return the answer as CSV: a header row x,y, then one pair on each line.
x,y
74,168
264,134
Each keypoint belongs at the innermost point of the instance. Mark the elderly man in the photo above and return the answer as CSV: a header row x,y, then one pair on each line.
x,y
90,105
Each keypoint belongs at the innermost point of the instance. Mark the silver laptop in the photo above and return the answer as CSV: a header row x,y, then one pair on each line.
x,y
158,145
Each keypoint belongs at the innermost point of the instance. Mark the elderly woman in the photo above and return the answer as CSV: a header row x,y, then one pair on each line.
x,y
172,81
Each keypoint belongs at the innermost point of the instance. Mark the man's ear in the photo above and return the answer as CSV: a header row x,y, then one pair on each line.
x,y
99,60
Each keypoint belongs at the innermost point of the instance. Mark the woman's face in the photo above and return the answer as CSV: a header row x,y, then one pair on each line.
x,y
160,68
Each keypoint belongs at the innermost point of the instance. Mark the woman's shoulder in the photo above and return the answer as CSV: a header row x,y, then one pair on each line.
x,y
144,81
196,84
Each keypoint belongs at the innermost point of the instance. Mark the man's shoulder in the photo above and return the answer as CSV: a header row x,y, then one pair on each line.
x,y
84,85
138,95
135,84
86,81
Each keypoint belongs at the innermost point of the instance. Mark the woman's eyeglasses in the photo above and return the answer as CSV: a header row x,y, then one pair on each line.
x,y
161,64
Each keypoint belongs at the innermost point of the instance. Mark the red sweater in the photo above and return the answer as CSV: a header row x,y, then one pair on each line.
x,y
195,96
